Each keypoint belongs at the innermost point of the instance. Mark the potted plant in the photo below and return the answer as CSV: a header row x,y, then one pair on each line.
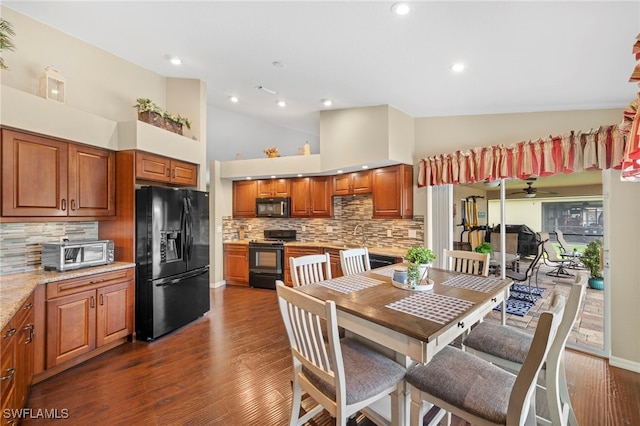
x,y
484,248
591,259
420,257
150,112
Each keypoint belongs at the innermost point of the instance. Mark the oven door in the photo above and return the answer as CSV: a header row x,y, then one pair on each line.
x,y
266,259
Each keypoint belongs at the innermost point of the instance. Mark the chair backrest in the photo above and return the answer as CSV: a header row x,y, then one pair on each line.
x,y
548,248
564,246
467,262
310,269
354,261
303,316
525,385
535,261
511,242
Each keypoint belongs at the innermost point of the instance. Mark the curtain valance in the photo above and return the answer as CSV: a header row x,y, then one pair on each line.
x,y
599,149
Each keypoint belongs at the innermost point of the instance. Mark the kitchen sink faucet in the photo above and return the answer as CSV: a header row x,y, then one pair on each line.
x,y
364,237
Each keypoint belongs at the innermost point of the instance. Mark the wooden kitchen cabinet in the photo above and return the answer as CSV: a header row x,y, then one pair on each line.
x,y
352,183
244,198
156,168
311,197
336,265
17,351
296,251
273,188
47,177
236,264
393,192
86,313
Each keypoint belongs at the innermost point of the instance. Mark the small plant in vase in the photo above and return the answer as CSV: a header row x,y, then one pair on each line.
x,y
591,260
419,259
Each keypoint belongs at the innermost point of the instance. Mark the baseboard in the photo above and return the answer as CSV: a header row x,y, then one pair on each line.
x,y
624,363
218,284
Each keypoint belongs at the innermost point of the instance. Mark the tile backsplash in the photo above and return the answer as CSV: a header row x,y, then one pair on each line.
x,y
348,211
20,243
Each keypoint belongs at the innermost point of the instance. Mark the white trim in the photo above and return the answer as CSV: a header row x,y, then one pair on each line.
x,y
217,284
624,363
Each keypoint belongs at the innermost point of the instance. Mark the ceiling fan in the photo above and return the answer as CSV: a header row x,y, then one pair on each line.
x,y
530,191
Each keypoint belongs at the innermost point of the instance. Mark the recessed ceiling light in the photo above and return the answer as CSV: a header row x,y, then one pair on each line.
x,y
281,103
273,176
401,8
365,167
175,60
248,177
234,99
339,171
459,67
326,102
299,174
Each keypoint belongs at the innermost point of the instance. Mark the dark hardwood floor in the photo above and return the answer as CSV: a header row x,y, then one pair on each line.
x,y
233,367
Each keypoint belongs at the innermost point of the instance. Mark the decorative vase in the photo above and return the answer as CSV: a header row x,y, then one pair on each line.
x,y
596,283
424,270
158,120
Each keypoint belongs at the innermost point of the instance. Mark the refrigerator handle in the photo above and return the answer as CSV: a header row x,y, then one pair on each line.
x,y
183,230
190,228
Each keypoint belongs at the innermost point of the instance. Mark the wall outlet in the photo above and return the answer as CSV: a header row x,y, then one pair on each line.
x,y
249,227
389,233
329,229
304,228
413,233
63,237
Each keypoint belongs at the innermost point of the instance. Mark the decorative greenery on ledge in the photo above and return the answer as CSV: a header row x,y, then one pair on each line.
x,y
147,105
6,33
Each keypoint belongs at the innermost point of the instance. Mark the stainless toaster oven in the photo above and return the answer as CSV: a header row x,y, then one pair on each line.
x,y
70,255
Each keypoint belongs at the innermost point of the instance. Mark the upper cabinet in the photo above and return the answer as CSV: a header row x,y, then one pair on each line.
x,y
393,192
46,177
157,168
273,188
244,198
352,183
311,197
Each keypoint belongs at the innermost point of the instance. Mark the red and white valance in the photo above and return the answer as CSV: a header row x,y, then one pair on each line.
x,y
596,150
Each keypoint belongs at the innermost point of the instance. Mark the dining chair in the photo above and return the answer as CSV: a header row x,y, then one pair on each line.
x,y
354,261
476,390
467,262
507,347
343,376
511,242
310,269
552,259
527,275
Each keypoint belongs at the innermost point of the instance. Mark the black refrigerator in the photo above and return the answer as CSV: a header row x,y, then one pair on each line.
x,y
172,259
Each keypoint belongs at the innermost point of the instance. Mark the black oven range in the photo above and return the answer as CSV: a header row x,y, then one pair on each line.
x,y
266,258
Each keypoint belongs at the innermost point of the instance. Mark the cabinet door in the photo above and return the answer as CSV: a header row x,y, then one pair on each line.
x,y
336,266
244,198
393,192
34,175
24,358
264,188
300,203
153,167
281,187
236,264
71,327
342,185
184,173
8,369
114,316
91,181
320,195
361,182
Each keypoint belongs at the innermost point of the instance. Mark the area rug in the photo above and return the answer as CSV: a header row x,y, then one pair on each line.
x,y
519,301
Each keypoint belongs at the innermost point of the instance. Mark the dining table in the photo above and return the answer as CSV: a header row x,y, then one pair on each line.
x,y
409,325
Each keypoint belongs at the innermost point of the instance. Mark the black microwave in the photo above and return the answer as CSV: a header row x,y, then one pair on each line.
x,y
272,207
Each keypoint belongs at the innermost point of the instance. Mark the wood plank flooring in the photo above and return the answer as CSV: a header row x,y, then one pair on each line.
x,y
233,367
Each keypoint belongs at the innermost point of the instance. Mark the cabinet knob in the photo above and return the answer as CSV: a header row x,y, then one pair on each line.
x,y
10,332
32,333
92,302
101,299
9,376
73,204
64,204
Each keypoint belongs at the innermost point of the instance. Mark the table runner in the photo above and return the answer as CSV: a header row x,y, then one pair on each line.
x,y
349,283
432,307
472,282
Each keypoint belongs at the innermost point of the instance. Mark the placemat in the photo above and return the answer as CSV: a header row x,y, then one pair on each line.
x,y
473,282
387,271
430,306
349,283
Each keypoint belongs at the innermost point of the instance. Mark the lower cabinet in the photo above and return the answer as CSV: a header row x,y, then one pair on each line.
x,y
86,313
336,265
236,264
17,352
296,252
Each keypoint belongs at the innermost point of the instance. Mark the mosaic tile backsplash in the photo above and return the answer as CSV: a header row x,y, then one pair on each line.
x,y
348,211
20,243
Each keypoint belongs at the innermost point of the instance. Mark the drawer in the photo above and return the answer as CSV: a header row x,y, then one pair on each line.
x,y
75,285
25,309
7,367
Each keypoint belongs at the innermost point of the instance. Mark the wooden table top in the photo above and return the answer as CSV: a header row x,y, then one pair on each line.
x,y
371,303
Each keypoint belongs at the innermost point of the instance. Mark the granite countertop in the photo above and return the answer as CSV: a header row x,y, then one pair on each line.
x,y
384,251
16,288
